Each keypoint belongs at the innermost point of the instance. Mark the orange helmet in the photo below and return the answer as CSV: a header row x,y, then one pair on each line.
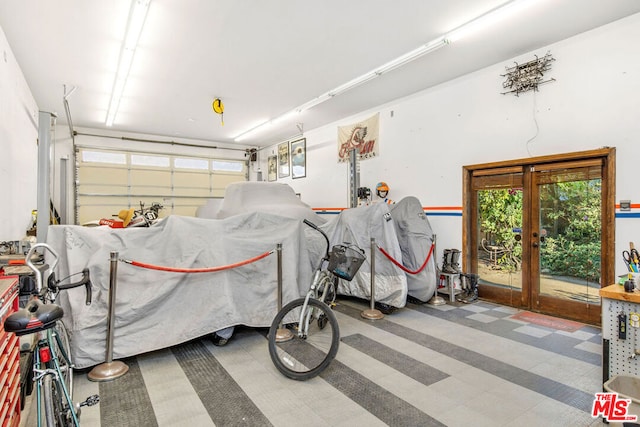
x,y
382,186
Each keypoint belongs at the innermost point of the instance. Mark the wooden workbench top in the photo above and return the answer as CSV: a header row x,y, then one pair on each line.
x,y
617,292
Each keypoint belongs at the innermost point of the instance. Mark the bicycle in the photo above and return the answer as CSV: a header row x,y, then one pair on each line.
x,y
304,335
52,366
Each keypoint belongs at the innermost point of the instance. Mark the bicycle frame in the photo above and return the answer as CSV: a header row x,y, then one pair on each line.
x,y
43,354
313,293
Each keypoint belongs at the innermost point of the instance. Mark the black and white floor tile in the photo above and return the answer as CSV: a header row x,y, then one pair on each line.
x,y
423,365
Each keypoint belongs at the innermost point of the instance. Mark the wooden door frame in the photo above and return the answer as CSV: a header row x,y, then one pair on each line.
x,y
608,156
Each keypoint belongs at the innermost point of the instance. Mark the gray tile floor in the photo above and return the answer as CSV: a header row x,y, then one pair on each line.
x,y
453,365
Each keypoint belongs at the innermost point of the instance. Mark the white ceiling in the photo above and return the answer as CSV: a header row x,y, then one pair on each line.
x,y
263,58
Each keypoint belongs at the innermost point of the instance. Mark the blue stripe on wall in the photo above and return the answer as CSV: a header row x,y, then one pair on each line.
x,y
443,213
628,215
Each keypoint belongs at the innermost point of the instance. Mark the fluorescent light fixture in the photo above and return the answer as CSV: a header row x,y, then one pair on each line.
x,y
352,83
253,131
135,24
391,65
488,19
485,20
412,55
315,101
265,125
284,117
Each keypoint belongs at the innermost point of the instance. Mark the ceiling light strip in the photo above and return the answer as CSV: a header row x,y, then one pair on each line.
x,y
488,19
389,66
135,24
412,55
477,24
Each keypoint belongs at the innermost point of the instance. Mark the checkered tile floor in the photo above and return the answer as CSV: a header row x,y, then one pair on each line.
x,y
423,365
584,344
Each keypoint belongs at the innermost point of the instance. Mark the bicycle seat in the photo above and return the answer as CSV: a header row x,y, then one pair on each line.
x,y
34,317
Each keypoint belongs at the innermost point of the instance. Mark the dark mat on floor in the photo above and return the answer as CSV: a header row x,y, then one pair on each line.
x,y
125,402
226,403
383,404
410,367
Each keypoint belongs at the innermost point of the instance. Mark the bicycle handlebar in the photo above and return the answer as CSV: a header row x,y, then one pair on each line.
x,y
33,249
315,227
86,281
312,225
35,269
55,287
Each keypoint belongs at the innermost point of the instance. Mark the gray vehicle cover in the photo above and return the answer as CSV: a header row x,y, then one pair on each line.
x,y
415,237
358,226
272,197
157,309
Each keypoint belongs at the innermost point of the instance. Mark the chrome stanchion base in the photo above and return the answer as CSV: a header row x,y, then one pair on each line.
x,y
108,371
283,335
437,300
372,314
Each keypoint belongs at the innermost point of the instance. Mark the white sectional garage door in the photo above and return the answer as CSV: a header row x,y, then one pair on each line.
x,y
109,181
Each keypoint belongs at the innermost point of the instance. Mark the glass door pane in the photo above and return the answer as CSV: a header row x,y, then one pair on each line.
x,y
570,224
497,236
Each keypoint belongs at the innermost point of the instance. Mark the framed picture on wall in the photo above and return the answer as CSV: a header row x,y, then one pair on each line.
x,y
272,164
283,159
299,158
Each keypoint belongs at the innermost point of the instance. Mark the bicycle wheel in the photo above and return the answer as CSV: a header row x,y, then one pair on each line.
x,y
304,355
62,350
64,412
55,414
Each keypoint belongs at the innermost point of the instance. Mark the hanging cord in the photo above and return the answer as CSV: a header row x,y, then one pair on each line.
x,y
197,270
535,120
402,267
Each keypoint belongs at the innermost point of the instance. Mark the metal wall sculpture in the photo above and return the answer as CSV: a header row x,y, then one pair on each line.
x,y
528,76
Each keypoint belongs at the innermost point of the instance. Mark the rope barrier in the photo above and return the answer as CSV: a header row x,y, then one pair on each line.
x,y
198,270
402,267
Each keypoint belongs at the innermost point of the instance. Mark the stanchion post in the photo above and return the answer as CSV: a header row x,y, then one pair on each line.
x,y
279,253
282,334
372,313
436,299
110,369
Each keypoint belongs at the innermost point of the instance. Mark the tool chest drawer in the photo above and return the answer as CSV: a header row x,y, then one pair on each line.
x,y
9,356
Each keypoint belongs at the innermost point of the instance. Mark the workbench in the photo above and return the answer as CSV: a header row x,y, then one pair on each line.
x,y
620,339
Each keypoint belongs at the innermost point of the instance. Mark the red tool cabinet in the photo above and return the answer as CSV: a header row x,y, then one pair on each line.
x,y
9,356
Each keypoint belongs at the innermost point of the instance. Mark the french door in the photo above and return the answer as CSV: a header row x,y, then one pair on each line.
x,y
538,232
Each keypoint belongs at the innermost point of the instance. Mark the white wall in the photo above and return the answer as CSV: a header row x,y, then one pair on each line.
x,y
18,147
594,102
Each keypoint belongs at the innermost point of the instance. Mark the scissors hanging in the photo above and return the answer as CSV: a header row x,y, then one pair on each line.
x,y
631,260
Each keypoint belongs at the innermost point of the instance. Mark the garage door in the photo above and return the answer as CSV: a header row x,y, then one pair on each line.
x,y
109,181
